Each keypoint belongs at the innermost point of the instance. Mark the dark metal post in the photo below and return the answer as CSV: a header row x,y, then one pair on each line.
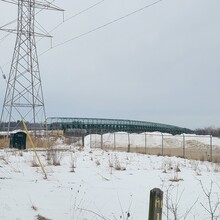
x,y
129,146
90,139
156,204
101,139
83,140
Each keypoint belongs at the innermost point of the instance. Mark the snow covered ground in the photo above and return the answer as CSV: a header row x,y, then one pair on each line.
x,y
97,184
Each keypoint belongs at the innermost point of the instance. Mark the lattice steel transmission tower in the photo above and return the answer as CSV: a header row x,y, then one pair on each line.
x,y
24,94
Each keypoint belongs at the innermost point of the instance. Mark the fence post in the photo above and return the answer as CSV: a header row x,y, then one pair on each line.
x,y
83,140
184,148
145,142
162,143
114,141
101,139
156,204
129,146
210,148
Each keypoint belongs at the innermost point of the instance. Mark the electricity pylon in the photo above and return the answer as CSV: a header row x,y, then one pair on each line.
x,y
24,94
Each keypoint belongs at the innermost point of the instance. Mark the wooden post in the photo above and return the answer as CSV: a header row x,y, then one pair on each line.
x,y
156,204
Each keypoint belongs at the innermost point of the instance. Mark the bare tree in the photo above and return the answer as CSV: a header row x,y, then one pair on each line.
x,y
213,201
172,204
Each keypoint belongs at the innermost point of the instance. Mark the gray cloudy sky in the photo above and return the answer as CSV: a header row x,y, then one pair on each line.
x,y
161,64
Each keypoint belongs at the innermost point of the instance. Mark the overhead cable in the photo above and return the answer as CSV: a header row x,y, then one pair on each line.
x,y
77,14
102,26
3,75
71,17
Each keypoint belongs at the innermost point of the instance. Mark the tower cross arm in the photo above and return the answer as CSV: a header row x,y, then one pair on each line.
x,y
15,31
10,1
36,4
42,5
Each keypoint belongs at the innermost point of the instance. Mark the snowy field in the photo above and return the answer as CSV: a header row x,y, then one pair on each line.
x,y
100,184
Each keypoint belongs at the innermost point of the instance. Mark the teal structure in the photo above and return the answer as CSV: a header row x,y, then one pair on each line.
x,y
101,126
18,140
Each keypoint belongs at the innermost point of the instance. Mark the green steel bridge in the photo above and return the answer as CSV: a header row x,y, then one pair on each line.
x,y
101,126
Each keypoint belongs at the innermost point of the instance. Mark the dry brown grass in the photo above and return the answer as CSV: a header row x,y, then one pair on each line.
x,y
40,217
216,159
34,207
40,142
55,133
190,153
34,162
4,142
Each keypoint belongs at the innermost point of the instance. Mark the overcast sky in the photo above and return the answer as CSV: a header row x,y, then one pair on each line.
x,y
161,64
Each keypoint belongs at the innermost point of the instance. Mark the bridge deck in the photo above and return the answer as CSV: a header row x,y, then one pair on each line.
x,y
97,125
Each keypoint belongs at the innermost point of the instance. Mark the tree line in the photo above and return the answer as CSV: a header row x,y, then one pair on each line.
x,y
215,132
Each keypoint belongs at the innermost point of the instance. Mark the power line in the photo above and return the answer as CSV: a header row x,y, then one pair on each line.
x,y
102,26
48,33
3,75
73,16
38,4
4,37
77,14
15,20
11,22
